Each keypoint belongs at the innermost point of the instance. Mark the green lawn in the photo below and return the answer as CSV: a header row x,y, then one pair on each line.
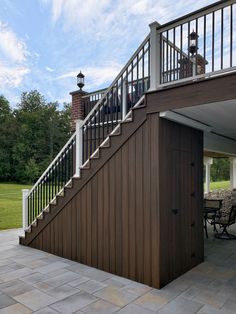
x,y
220,185
10,205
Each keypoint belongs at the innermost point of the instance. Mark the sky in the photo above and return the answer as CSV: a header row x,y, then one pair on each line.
x,y
45,43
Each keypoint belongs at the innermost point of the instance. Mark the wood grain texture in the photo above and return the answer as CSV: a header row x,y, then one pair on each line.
x,y
118,217
181,199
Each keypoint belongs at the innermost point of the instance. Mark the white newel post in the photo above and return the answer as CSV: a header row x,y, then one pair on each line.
x,y
233,172
208,161
124,99
79,147
154,56
25,194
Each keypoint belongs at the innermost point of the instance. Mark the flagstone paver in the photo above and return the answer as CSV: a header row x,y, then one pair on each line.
x,y
15,309
33,281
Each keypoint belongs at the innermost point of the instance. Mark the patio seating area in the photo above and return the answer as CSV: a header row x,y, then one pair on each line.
x,y
33,281
220,212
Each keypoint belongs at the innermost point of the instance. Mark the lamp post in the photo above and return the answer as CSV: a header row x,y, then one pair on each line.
x,y
193,37
193,48
80,80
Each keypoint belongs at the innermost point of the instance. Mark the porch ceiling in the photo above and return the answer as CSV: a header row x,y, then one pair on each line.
x,y
219,116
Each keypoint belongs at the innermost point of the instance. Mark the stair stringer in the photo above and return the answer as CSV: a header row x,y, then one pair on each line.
x,y
87,172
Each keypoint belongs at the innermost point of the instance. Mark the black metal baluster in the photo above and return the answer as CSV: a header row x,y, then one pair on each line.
x,y
132,79
112,109
143,70
148,84
167,55
29,210
99,127
181,47
174,54
87,140
204,39
95,131
231,35
41,196
213,40
137,89
196,61
189,68
170,63
117,109
222,40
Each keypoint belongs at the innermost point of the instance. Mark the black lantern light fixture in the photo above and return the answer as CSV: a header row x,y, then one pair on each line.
x,y
193,38
80,80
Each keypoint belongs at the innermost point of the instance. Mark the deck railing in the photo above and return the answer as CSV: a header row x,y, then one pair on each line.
x,y
215,27
128,87
51,182
91,99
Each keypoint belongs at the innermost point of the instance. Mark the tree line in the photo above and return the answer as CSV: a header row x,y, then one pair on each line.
x,y
35,131
30,136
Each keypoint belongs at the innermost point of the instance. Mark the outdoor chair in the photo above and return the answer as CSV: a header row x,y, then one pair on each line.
x,y
225,219
211,210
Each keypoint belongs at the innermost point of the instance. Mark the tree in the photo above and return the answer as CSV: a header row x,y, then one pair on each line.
x,y
42,129
6,139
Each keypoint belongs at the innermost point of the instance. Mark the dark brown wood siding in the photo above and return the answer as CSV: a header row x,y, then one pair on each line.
x,y
113,223
181,199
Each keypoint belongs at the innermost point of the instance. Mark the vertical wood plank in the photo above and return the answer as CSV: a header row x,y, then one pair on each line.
x,y
89,223
106,218
118,212
112,216
100,209
125,210
94,221
132,206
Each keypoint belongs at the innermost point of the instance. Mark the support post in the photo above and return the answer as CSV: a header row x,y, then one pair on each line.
x,y
233,173
208,161
154,56
25,194
124,99
79,147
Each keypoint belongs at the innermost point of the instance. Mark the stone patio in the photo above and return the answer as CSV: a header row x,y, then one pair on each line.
x,y
32,281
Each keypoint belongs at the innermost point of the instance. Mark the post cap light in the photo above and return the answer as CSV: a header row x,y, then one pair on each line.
x,y
80,80
193,37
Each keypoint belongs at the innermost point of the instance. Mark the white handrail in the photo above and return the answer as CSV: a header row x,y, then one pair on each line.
x,y
116,79
53,162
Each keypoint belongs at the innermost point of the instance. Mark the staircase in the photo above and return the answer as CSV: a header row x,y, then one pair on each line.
x,y
107,120
113,142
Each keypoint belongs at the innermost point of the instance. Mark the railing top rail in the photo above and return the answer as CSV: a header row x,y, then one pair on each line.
x,y
196,14
100,91
117,78
53,162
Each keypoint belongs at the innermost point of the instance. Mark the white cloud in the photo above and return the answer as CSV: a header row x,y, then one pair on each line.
x,y
13,48
49,69
12,76
106,18
95,76
13,59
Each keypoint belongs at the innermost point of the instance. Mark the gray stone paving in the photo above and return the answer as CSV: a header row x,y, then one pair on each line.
x,y
32,281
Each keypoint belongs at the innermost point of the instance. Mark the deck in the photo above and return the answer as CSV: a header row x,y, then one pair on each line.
x,y
32,281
